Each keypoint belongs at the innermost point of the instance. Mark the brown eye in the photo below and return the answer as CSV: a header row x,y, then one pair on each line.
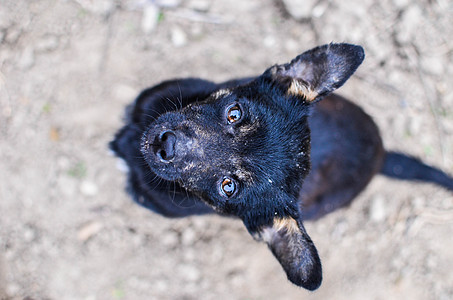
x,y
234,114
228,187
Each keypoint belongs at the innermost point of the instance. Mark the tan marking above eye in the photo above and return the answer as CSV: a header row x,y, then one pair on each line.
x,y
234,114
228,187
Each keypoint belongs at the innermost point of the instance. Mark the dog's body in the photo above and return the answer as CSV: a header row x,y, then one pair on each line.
x,y
242,148
343,158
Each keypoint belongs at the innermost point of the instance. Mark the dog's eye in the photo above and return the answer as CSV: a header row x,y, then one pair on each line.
x,y
228,187
234,114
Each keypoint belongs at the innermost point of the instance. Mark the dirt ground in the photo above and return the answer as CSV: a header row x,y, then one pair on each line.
x,y
68,68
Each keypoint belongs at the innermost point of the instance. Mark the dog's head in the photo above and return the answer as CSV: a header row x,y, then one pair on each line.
x,y
246,150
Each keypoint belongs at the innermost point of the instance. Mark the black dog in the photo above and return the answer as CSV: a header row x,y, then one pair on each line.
x,y
242,148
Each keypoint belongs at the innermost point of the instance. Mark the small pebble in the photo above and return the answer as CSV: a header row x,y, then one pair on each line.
x,y
291,46
188,236
89,230
377,209
29,234
401,3
433,65
150,18
168,3
169,239
299,9
178,37
269,42
189,272
199,5
161,285
88,188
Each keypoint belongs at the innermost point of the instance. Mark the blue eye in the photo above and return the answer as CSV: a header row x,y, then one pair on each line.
x,y
228,187
234,114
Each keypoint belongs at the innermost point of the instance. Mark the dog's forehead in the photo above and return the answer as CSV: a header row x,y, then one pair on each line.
x,y
260,150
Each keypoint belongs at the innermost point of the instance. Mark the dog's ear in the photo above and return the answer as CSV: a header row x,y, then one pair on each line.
x,y
291,245
317,72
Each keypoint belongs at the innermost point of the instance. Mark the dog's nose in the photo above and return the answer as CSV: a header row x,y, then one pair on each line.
x,y
166,149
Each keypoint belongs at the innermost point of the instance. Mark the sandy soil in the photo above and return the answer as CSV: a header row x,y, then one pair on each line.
x,y
68,68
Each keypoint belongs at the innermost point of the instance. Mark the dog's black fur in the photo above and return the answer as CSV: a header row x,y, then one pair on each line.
x,y
244,147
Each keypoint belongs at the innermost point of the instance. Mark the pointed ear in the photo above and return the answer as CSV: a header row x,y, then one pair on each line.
x,y
319,71
291,245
